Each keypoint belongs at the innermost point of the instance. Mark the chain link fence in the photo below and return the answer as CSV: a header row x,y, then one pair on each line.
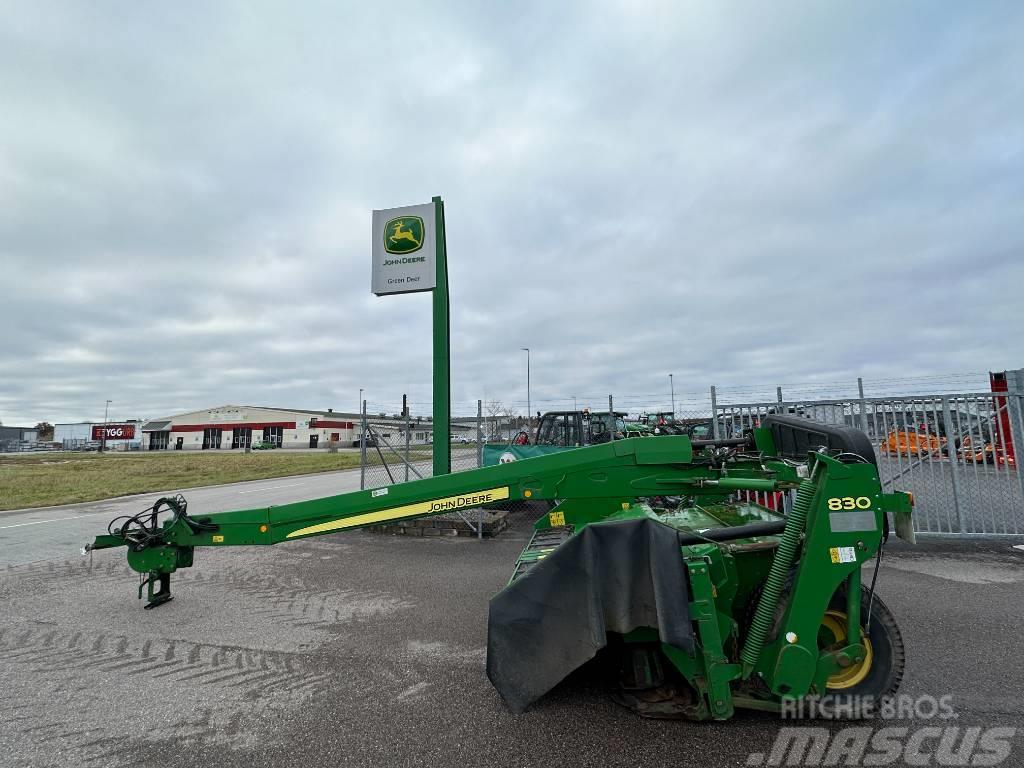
x,y
402,450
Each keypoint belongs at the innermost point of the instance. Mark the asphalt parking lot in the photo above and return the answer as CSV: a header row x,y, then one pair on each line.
x,y
362,649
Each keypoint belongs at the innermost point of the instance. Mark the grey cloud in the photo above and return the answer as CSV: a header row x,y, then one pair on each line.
x,y
734,194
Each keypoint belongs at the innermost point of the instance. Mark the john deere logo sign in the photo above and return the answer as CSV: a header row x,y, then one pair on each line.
x,y
404,247
403,235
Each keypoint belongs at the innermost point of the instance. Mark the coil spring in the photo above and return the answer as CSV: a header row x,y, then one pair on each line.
x,y
764,616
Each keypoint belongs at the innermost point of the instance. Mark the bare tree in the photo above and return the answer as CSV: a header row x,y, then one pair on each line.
x,y
495,412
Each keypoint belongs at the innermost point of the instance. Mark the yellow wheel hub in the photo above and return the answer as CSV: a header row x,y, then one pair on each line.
x,y
834,623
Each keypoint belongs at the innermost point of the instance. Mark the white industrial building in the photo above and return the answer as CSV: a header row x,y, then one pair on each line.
x,y
236,426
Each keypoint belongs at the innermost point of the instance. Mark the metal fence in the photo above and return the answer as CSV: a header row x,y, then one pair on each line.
x,y
393,457
958,453
954,452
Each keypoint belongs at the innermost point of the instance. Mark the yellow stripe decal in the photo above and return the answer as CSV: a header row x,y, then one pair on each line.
x,y
435,506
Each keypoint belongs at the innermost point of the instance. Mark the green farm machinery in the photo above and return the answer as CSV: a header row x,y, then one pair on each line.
x,y
573,429
662,423
561,430
648,564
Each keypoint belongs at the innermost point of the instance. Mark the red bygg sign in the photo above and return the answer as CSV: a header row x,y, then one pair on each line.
x,y
113,431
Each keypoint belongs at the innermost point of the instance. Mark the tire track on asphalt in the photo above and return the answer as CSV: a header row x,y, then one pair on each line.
x,y
69,685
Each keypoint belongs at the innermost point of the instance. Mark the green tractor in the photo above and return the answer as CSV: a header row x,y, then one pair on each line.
x,y
666,423
698,604
662,423
561,430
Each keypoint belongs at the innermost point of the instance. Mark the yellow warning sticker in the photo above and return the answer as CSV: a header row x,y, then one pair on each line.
x,y
218,539
432,507
556,518
843,555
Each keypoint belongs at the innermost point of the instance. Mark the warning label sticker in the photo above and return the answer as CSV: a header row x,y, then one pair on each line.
x,y
843,554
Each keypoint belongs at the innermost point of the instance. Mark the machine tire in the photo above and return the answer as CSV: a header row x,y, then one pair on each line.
x,y
883,678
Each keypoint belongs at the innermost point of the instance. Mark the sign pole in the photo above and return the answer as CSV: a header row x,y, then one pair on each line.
x,y
408,258
442,351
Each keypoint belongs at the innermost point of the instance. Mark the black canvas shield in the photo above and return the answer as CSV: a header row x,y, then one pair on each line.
x,y
610,577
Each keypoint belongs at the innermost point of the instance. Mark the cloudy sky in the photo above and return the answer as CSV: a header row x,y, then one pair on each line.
x,y
740,194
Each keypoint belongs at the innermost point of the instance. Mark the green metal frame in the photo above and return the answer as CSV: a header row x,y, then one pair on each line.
x,y
835,526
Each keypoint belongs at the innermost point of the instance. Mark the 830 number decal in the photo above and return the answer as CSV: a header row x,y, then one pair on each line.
x,y
837,503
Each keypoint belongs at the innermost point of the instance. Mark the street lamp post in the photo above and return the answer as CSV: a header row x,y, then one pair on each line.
x,y
529,409
672,386
103,435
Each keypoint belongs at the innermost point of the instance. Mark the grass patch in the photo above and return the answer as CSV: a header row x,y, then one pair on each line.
x,y
41,480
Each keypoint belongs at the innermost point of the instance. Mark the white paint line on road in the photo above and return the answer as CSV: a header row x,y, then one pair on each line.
x,y
56,520
271,488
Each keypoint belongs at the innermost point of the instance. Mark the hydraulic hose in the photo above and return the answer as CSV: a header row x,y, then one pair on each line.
x,y
731,533
764,617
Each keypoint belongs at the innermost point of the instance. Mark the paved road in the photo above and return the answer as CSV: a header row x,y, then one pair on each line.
x,y
55,532
362,649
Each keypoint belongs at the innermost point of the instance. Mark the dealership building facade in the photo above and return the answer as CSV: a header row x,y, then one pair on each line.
x,y
238,426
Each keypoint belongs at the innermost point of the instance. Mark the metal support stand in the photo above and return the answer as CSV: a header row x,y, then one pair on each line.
x,y
611,418
405,417
480,461
714,414
379,438
155,597
479,433
863,406
947,417
362,450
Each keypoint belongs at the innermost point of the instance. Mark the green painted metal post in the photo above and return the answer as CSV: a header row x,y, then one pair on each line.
x,y
442,352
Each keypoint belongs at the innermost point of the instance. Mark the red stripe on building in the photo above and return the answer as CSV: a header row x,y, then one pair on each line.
x,y
338,424
254,425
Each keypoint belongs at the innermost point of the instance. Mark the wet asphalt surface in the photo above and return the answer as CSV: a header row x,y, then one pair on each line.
x,y
364,649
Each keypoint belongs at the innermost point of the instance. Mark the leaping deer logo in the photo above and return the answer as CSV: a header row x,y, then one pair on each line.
x,y
398,233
